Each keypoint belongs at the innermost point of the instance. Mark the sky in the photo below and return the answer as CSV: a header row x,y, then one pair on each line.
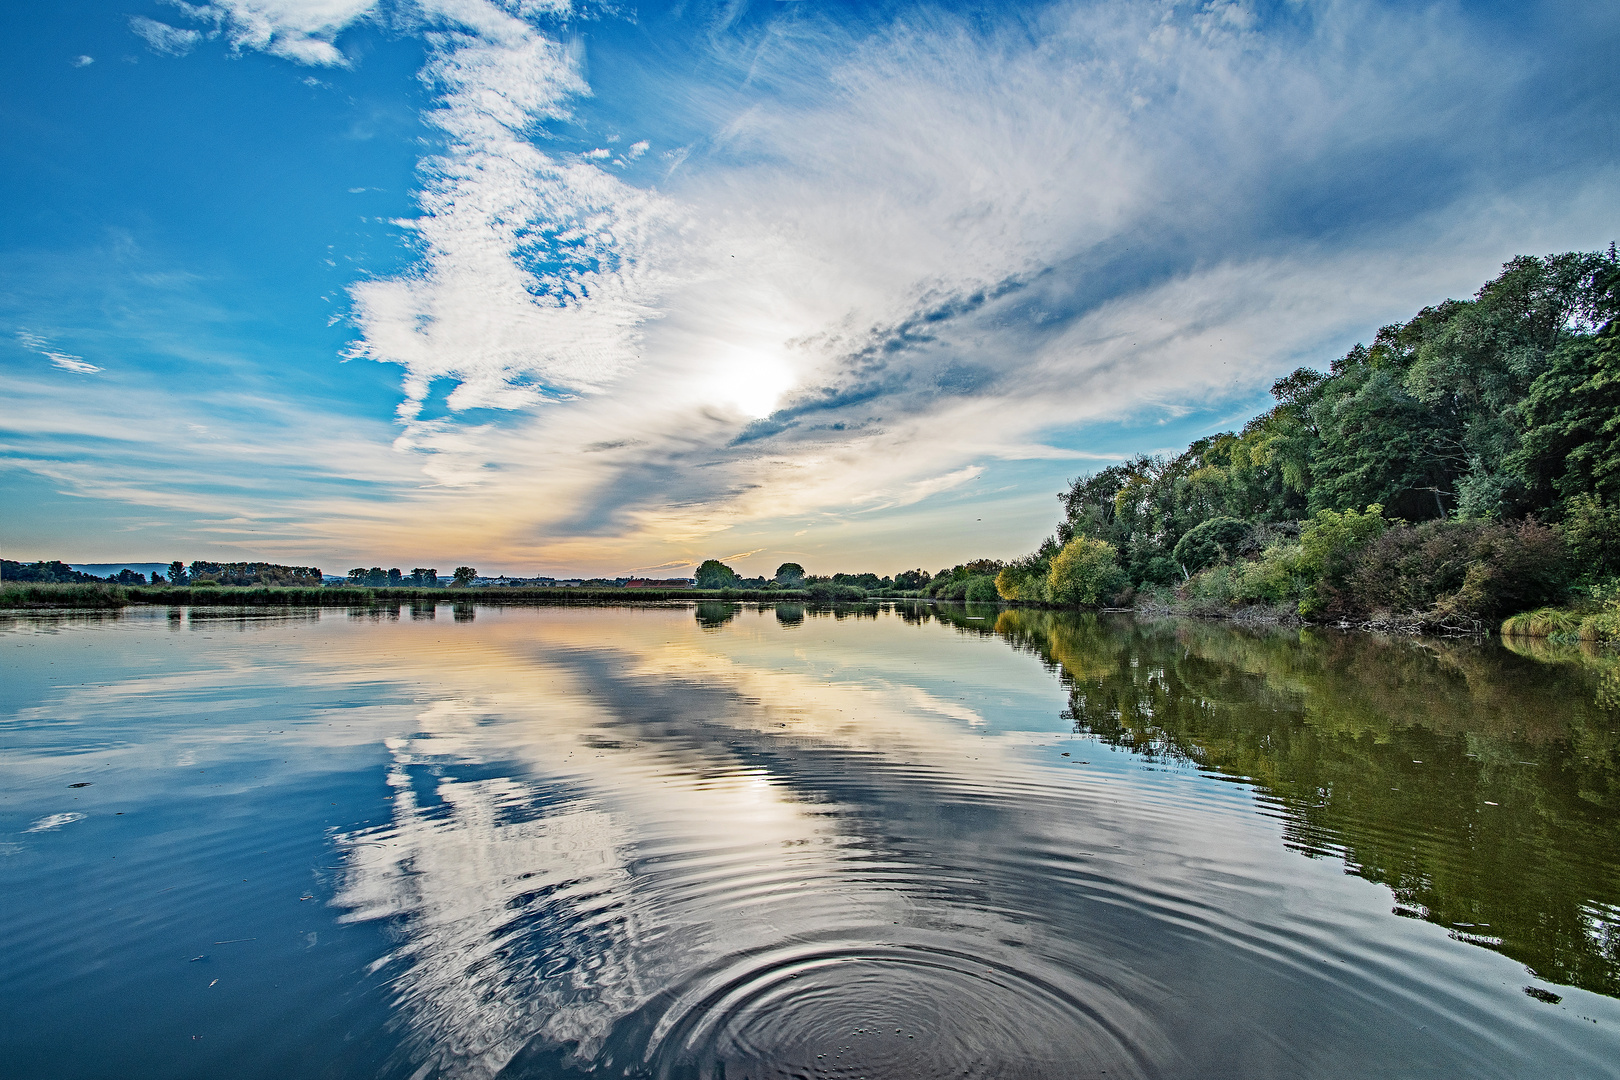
x,y
558,287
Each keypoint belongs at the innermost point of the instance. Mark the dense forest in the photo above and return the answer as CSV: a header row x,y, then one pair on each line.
x,y
1464,466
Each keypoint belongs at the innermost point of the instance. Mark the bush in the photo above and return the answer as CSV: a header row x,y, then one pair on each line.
x,y
1603,627
1480,569
1085,572
981,589
1023,584
1329,545
1512,568
1212,541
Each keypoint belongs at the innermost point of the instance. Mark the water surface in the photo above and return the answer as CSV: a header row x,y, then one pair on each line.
x,y
715,840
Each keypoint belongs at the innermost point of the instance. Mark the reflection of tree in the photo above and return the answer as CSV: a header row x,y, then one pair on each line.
x,y
712,615
1482,787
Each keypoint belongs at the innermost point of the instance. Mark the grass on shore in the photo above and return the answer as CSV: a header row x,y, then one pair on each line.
x,y
1599,626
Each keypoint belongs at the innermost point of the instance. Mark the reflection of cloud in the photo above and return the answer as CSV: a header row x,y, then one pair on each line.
x,y
54,821
631,837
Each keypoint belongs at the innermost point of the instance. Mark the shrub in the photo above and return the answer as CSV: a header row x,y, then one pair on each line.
x,y
1210,542
1512,568
1086,572
1605,625
1023,584
981,589
1329,544
1476,568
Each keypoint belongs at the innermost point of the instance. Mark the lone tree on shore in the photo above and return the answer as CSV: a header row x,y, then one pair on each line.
x,y
463,576
714,574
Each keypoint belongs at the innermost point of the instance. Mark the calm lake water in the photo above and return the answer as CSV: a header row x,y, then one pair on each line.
x,y
718,840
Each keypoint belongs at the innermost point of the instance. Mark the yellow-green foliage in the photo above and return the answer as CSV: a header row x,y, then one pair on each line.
x,y
1018,583
1328,543
1276,577
1543,622
1600,627
1605,625
1086,572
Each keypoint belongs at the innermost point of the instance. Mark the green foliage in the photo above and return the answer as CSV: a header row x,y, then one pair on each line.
x,y
1328,546
253,573
463,576
714,574
1085,572
44,573
1571,444
981,589
827,591
912,580
1210,541
1494,408
1603,627
1591,532
789,574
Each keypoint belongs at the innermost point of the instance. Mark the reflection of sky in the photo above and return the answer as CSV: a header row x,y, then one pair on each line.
x,y
572,810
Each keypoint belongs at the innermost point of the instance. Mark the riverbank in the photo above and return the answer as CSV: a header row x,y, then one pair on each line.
x,y
28,595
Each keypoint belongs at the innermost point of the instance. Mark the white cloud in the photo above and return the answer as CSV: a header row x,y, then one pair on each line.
x,y
83,61
64,360
163,38
532,283
302,31
898,262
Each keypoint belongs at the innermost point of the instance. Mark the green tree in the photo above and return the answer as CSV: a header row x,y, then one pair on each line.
x,y
1571,444
789,575
177,573
463,576
714,574
1085,571
1210,542
912,580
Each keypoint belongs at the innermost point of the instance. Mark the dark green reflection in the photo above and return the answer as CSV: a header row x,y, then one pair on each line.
x,y
1482,786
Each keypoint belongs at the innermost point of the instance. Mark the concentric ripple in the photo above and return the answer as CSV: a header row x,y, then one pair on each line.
x,y
850,1010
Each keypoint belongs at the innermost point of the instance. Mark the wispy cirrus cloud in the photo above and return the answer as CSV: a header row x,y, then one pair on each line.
x,y
163,38
856,266
65,360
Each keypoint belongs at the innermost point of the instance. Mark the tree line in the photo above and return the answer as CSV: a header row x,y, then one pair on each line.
x,y
1465,465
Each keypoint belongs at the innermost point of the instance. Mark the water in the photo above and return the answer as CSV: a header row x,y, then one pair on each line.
x,y
717,840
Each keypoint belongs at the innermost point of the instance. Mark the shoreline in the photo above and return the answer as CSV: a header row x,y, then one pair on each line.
x,y
29,596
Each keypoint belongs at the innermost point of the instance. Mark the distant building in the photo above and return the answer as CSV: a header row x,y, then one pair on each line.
x,y
656,583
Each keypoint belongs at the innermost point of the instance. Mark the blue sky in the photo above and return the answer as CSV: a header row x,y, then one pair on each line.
x,y
550,287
